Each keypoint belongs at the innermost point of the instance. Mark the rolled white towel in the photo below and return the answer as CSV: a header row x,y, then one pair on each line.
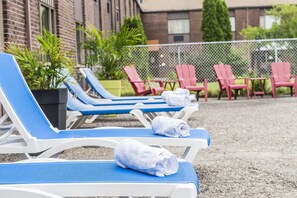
x,y
132,154
165,93
178,100
182,91
171,127
178,91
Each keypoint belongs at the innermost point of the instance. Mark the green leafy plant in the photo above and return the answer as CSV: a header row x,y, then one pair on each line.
x,y
41,68
109,50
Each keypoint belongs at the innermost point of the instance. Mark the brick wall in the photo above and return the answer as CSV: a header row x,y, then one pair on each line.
x,y
195,26
156,26
89,12
65,24
254,17
14,22
35,22
240,21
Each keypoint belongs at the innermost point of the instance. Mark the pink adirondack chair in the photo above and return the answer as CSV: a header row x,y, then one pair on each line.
x,y
281,77
186,75
139,85
226,81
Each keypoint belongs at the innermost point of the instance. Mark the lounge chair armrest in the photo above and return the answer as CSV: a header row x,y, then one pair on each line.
x,y
159,81
133,81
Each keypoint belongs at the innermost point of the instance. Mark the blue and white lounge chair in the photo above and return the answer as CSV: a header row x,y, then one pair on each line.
x,y
37,135
101,91
79,112
56,179
76,89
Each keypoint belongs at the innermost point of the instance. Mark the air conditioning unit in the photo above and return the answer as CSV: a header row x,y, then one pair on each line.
x,y
179,38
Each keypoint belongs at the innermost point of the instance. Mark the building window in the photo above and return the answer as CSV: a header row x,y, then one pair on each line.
x,y
118,14
108,7
266,21
80,55
232,22
178,27
47,16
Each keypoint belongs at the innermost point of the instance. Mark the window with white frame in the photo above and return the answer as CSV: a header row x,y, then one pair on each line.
x,y
178,27
47,15
232,23
266,20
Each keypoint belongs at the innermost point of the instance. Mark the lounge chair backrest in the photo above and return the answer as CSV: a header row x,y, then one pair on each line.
x,y
224,75
186,75
134,78
72,85
95,83
281,71
19,102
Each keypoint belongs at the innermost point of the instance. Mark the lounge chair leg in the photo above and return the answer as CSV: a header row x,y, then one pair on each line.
x,y
186,112
185,191
79,122
236,94
206,95
228,90
220,94
139,114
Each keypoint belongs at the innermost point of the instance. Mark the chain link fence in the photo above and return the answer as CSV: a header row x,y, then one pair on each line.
x,y
247,59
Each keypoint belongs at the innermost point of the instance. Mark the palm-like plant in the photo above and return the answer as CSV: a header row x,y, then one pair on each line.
x,y
41,69
109,50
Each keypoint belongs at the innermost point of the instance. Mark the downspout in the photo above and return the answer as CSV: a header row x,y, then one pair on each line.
x,y
28,24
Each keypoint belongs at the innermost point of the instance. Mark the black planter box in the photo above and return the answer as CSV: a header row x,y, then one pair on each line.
x,y
53,103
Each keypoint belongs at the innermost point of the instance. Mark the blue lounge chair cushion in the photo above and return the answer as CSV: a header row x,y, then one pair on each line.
x,y
87,172
96,86
76,89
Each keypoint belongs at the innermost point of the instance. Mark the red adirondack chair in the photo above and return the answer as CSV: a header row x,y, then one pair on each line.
x,y
226,81
139,85
186,75
281,77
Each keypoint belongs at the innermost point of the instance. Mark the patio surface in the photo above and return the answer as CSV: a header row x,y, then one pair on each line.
x,y
253,150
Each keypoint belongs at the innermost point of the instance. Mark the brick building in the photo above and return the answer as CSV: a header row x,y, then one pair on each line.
x,y
170,21
21,20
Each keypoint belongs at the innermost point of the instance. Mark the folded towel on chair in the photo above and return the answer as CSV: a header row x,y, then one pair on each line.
x,y
178,91
171,127
132,154
178,100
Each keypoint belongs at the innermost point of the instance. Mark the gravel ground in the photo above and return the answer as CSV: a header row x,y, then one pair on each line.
x,y
252,153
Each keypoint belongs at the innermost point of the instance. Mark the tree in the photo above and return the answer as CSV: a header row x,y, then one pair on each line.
x,y
284,26
210,28
223,18
135,23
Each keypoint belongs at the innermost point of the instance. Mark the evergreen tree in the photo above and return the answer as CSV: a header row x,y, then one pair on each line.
x,y
210,28
223,18
135,22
